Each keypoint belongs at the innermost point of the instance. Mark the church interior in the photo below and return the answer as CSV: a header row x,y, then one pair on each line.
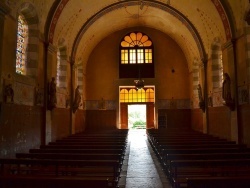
x,y
71,68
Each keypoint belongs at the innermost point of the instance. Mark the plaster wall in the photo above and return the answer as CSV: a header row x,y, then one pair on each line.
x,y
102,68
171,71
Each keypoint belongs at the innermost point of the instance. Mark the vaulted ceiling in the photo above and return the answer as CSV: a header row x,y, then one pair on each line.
x,y
194,24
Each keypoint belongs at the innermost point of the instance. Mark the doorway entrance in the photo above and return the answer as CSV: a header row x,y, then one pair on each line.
x,y
132,102
137,116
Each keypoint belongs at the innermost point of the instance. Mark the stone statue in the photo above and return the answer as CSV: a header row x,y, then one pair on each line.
x,y
199,93
77,99
172,103
226,92
38,96
226,88
8,93
201,100
102,104
52,94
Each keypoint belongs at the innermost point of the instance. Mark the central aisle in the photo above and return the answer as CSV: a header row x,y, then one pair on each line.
x,y
143,169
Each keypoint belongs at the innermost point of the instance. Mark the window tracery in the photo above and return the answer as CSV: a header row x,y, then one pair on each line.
x,y
22,40
136,48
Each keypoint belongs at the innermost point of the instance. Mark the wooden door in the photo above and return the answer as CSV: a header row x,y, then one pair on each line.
x,y
150,115
124,115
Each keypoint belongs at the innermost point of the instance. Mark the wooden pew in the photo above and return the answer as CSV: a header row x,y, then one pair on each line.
x,y
194,146
86,155
201,150
186,137
216,155
79,151
86,136
157,147
71,156
155,139
204,156
101,134
87,143
216,182
191,142
180,170
57,168
20,181
86,146
114,140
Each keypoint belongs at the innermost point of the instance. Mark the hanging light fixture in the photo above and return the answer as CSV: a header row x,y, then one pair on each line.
x,y
139,84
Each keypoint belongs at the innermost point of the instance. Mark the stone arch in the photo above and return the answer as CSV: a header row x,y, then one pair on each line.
x,y
157,5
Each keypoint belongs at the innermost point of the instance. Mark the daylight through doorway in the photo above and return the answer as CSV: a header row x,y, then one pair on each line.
x,y
137,116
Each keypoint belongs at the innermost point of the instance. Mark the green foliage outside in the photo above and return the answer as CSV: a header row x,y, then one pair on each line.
x,y
139,124
136,120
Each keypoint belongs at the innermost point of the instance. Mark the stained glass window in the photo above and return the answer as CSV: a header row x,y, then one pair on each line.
x,y
58,68
132,95
136,48
22,39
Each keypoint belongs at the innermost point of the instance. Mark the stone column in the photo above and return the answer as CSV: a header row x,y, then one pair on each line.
x,y
4,10
247,35
205,98
196,81
230,67
235,129
72,88
50,71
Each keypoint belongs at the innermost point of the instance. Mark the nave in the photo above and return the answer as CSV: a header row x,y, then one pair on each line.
x,y
152,158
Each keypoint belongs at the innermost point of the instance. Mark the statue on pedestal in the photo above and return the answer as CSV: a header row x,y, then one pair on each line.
x,y
226,92
52,94
77,99
201,100
8,93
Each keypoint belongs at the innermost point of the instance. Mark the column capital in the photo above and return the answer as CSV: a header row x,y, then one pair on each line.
x,y
204,61
51,48
228,44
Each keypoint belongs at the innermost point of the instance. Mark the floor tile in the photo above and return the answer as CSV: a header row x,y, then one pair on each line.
x,y
142,169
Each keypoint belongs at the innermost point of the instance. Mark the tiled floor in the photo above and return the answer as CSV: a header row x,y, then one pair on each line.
x,y
141,168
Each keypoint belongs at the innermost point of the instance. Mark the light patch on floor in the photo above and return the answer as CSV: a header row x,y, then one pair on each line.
x,y
142,169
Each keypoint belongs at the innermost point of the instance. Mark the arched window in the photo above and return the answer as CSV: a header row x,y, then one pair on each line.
x,y
136,56
22,41
131,95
